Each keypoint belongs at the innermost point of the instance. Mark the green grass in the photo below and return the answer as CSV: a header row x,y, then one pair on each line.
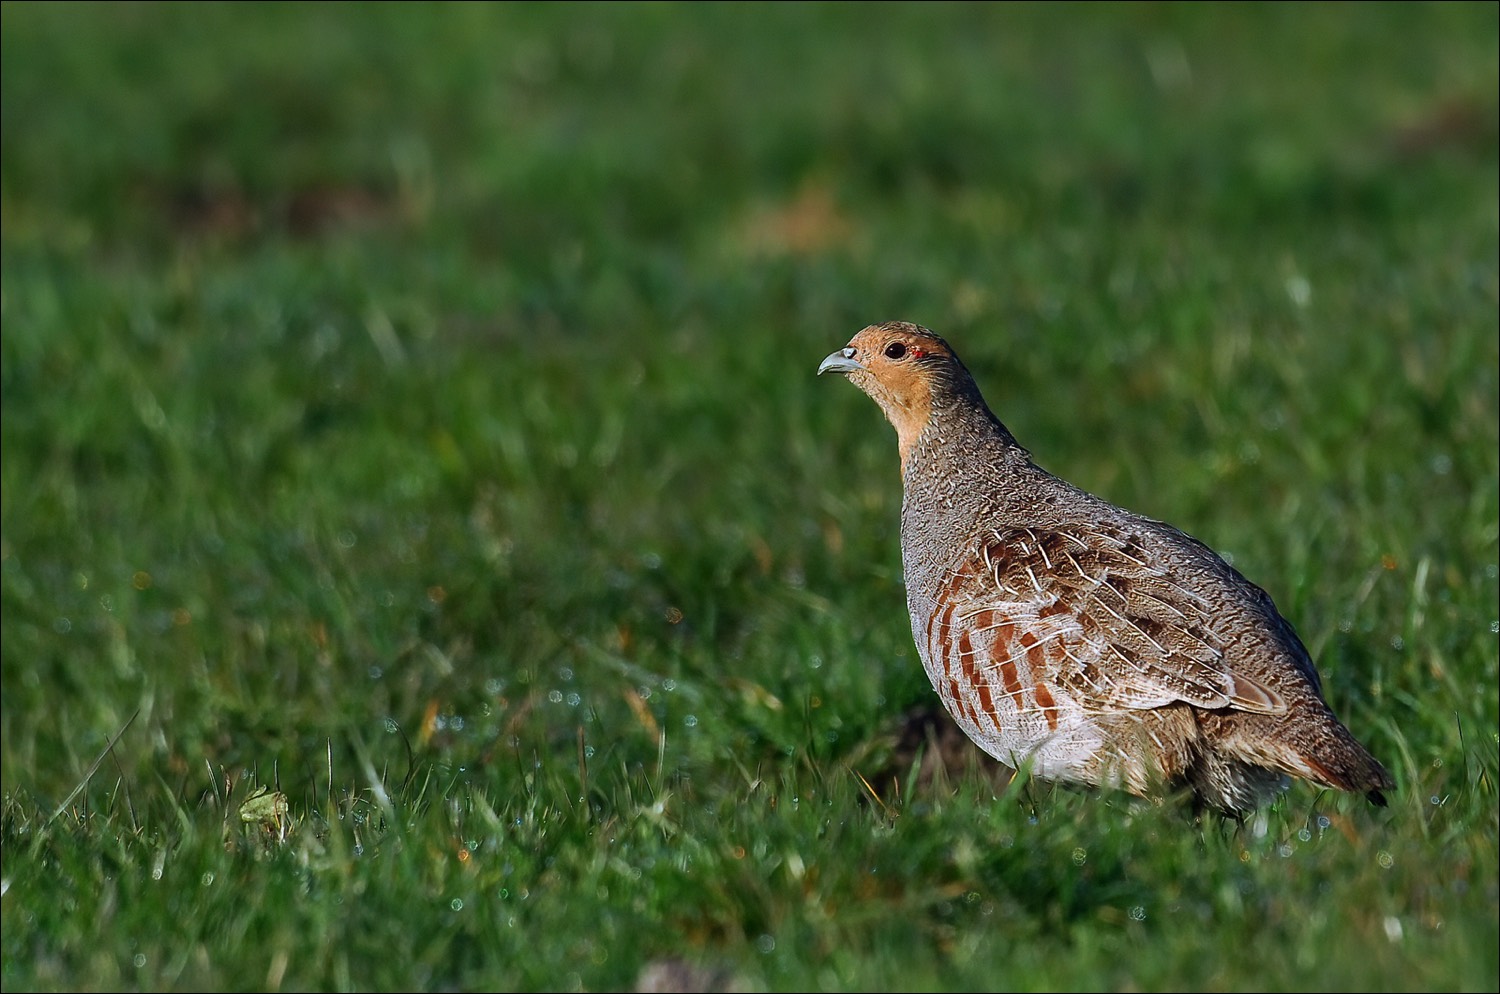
x,y
411,409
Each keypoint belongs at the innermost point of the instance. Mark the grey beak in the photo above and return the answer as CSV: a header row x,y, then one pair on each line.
x,y
841,361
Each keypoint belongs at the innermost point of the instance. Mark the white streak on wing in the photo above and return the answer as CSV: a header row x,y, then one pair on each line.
x,y
1119,550
1137,628
1079,567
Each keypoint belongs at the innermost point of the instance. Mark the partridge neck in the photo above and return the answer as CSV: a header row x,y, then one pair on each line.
x,y
960,435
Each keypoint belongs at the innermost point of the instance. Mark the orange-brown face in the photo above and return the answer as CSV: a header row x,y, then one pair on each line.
x,y
894,364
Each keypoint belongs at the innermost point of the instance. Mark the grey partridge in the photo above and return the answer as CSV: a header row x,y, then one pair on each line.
x,y
1083,641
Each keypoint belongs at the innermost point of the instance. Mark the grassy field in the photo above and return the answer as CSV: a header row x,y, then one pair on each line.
x,y
429,561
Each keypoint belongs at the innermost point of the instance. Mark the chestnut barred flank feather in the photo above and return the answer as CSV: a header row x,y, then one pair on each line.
x,y
1078,639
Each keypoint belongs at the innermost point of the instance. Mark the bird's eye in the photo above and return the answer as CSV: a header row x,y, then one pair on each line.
x,y
895,350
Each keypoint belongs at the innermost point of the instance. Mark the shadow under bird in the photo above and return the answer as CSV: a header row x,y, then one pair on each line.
x,y
1065,634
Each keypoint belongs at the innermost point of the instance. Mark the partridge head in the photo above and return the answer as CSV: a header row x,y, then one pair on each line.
x,y
1075,638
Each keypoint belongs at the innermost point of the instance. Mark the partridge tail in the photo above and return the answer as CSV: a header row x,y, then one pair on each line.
x,y
1347,765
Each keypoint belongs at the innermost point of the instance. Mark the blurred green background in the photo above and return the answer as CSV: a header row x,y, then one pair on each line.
x,y
410,409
